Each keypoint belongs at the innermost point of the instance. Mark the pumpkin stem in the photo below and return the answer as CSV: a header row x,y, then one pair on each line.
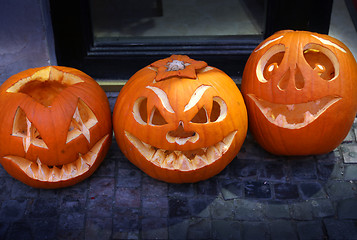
x,y
175,65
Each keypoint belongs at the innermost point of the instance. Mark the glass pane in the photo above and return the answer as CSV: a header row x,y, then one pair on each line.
x,y
122,20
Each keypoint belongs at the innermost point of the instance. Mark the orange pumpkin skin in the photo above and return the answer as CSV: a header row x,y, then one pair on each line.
x,y
56,124
300,89
175,148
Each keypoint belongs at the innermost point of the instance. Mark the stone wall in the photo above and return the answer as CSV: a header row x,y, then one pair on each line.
x,y
25,36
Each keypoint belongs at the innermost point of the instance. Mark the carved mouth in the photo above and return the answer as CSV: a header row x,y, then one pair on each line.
x,y
182,160
294,116
41,172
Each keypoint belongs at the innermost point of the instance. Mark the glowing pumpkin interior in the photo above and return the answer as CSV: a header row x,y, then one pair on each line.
x,y
320,59
45,85
300,92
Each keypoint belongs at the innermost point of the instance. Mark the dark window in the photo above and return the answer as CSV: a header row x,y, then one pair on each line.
x,y
112,39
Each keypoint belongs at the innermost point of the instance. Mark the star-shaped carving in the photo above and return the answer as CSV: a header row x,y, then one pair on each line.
x,y
177,66
83,119
24,128
77,123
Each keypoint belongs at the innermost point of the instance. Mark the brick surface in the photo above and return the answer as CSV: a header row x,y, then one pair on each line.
x,y
126,221
221,209
340,229
98,228
273,170
302,211
310,230
341,189
224,229
322,208
199,228
231,189
257,189
286,191
13,210
350,172
303,168
347,209
154,228
255,230
277,211
283,197
178,228
312,190
349,153
282,229
249,210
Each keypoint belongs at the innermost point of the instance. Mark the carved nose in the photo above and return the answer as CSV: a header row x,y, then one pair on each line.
x,y
294,75
180,132
180,136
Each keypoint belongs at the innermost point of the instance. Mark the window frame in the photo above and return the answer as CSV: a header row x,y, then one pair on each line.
x,y
116,62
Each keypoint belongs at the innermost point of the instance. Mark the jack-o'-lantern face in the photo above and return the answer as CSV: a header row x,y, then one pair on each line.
x,y
56,123
180,127
300,88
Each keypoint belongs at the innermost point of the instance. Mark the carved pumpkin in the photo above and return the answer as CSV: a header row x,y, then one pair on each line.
x,y
180,120
55,126
301,93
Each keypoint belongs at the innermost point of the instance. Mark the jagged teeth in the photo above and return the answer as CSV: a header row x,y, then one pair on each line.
x,y
213,154
290,107
183,163
54,176
308,117
221,147
266,110
292,110
158,157
280,120
170,161
42,172
200,161
182,160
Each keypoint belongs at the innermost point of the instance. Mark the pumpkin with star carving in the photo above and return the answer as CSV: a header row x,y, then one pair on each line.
x,y
55,126
300,90
180,120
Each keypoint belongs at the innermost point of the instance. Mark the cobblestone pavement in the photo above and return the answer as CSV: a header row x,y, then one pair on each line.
x,y
257,196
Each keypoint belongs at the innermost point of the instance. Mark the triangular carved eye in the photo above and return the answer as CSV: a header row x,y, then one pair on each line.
x,y
200,117
22,127
83,120
140,113
156,118
218,112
